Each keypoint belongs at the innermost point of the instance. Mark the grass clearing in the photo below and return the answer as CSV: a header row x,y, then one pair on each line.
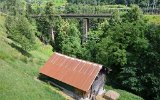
x,y
155,19
57,3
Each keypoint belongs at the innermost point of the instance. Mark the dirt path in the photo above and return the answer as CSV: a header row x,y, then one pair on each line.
x,y
55,90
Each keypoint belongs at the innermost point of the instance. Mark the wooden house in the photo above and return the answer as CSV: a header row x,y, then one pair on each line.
x,y
82,80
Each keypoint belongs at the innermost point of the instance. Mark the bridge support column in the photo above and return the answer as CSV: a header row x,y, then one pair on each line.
x,y
85,29
53,34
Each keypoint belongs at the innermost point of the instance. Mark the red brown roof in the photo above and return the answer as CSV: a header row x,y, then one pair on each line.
x,y
72,71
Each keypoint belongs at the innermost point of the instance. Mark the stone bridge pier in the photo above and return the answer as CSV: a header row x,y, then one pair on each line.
x,y
85,29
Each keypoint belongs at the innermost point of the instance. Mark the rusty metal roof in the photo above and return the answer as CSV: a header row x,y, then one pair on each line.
x,y
72,71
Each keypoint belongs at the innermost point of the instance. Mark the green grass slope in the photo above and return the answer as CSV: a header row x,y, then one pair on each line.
x,y
124,95
153,19
17,71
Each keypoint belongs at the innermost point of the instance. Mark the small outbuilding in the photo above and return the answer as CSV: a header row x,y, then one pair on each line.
x,y
80,79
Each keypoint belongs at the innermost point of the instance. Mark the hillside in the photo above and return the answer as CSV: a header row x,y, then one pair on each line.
x,y
18,71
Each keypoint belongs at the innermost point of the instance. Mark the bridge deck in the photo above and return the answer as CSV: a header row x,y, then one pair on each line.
x,y
77,15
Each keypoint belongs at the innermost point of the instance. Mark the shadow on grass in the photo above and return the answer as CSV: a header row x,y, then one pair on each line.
x,y
23,52
48,80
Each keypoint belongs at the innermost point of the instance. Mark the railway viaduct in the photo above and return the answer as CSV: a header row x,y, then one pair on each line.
x,y
85,18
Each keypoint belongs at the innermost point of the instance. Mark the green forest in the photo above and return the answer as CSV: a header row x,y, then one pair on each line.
x,y
128,43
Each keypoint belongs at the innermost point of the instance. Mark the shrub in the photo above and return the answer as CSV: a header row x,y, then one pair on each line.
x,y
21,31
